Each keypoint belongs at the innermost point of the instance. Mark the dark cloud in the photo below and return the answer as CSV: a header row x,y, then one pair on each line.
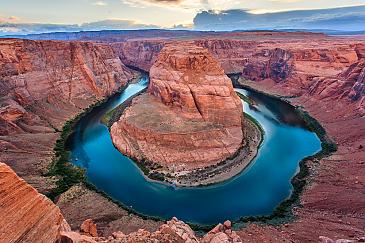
x,y
347,18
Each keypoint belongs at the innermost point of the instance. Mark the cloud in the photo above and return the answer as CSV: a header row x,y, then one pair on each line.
x,y
7,28
187,5
346,19
100,3
10,19
116,24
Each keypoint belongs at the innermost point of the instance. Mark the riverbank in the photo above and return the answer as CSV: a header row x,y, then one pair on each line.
x,y
283,212
66,173
217,173
227,169
326,182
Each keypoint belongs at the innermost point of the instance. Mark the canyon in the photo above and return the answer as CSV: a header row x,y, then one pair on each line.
x,y
45,83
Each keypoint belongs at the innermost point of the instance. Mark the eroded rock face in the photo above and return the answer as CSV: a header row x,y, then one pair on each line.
x,y
42,85
56,73
190,117
26,215
349,84
221,233
279,67
88,227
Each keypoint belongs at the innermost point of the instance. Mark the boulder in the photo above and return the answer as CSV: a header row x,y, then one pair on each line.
x,y
89,228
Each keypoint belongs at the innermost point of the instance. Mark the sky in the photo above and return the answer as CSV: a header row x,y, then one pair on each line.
x,y
165,13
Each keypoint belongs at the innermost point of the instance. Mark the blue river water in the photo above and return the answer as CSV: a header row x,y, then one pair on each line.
x,y
256,191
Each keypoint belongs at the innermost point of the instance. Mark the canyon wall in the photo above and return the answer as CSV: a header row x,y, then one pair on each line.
x,y
34,218
42,85
277,56
350,84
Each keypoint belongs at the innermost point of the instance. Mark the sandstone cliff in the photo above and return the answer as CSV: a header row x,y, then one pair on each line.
x,y
347,86
333,204
43,84
190,117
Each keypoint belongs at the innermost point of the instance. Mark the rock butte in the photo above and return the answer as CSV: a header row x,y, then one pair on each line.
x,y
190,117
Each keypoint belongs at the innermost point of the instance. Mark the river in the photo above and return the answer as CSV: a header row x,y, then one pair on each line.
x,y
256,191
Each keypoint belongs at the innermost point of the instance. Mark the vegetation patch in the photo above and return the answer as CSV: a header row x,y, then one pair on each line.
x,y
113,116
245,98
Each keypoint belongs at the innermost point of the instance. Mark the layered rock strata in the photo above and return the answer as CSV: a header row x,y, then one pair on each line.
x,y
189,118
262,55
349,85
26,215
42,85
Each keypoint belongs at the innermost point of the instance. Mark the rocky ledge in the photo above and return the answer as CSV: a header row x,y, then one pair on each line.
x,y
190,119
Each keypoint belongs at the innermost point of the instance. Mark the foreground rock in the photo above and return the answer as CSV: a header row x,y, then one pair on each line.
x,y
190,118
26,215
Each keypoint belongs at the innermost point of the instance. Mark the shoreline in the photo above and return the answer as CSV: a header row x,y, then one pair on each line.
x,y
283,213
68,174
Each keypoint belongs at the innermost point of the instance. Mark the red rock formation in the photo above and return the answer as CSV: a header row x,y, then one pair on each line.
x,y
89,228
173,231
56,72
279,66
74,237
138,53
43,84
221,233
312,54
333,204
191,116
26,215
349,84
